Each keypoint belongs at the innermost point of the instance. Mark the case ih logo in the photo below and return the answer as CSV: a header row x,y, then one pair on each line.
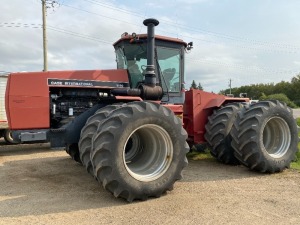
x,y
86,83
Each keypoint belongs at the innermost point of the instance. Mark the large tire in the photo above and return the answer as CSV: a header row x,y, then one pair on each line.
x,y
73,151
265,136
139,151
8,137
87,132
218,135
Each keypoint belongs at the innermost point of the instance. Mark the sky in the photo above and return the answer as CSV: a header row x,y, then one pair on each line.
x,y
247,42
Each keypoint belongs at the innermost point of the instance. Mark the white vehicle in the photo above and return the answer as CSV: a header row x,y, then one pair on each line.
x,y
4,131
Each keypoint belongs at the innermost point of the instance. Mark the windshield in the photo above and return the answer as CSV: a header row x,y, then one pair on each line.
x,y
134,58
169,65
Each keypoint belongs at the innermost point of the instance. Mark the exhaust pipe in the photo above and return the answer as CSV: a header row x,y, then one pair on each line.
x,y
148,90
150,78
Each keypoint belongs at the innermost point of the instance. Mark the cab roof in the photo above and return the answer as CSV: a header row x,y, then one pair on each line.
x,y
126,37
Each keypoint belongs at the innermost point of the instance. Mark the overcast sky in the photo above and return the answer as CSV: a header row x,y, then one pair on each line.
x,y
249,42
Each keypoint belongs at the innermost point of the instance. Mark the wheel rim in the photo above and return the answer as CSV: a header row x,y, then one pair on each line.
x,y
148,152
276,137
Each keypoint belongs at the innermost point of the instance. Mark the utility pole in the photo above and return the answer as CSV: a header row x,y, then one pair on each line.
x,y
44,9
230,86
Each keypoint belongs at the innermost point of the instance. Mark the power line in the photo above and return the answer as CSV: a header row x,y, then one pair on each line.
x,y
190,59
114,8
25,25
75,34
236,45
212,33
57,29
243,68
287,47
33,25
96,14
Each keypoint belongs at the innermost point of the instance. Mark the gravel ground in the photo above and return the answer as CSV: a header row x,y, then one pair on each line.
x,y
296,113
43,186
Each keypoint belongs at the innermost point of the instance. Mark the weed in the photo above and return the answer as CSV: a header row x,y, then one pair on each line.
x,y
194,155
296,163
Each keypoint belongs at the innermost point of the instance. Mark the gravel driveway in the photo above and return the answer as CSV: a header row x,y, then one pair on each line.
x,y
296,113
43,186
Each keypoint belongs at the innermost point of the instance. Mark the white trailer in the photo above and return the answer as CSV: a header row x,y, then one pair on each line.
x,y
4,129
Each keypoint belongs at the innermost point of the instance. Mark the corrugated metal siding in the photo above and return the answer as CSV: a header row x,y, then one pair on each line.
x,y
3,81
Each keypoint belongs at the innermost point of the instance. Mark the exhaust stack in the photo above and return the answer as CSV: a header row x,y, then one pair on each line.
x,y
150,78
148,89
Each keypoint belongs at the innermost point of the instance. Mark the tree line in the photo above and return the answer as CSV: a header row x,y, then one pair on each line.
x,y
195,86
288,92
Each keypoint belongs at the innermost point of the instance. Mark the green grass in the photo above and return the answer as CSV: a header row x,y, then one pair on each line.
x,y
298,121
193,155
296,163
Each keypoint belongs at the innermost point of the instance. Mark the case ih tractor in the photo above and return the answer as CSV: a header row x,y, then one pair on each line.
x,y
131,127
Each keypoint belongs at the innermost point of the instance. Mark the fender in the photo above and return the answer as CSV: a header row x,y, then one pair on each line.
x,y
198,106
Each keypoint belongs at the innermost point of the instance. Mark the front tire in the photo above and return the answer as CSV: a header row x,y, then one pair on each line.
x,y
139,151
265,136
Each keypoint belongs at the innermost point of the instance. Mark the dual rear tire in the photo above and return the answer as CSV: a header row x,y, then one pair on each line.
x,y
218,133
262,136
265,136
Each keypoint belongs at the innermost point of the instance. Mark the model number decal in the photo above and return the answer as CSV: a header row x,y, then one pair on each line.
x,y
86,83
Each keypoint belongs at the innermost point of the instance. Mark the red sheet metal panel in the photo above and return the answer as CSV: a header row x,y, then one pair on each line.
x,y
198,106
27,94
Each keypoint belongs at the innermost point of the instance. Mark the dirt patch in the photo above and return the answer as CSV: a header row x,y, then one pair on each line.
x,y
43,186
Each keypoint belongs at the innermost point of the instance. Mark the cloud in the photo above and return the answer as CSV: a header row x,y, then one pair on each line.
x,y
81,34
193,1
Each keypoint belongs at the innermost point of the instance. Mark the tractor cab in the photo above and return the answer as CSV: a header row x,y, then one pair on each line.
x,y
131,54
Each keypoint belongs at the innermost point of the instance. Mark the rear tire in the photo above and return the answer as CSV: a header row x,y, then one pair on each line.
x,y
218,133
87,133
139,151
265,136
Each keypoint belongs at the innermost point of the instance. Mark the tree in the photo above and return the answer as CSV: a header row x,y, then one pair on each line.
x,y
280,97
294,93
288,92
200,87
194,85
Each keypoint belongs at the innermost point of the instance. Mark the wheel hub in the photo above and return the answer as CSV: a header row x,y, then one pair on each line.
x,y
148,152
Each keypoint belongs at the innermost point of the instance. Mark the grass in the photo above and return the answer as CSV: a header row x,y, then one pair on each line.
x,y
296,164
200,155
298,121
194,155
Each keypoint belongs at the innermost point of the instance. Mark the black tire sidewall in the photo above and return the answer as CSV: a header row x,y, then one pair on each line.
x,y
137,120
288,118
222,149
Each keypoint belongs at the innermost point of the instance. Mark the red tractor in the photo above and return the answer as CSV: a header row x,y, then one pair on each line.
x,y
131,127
